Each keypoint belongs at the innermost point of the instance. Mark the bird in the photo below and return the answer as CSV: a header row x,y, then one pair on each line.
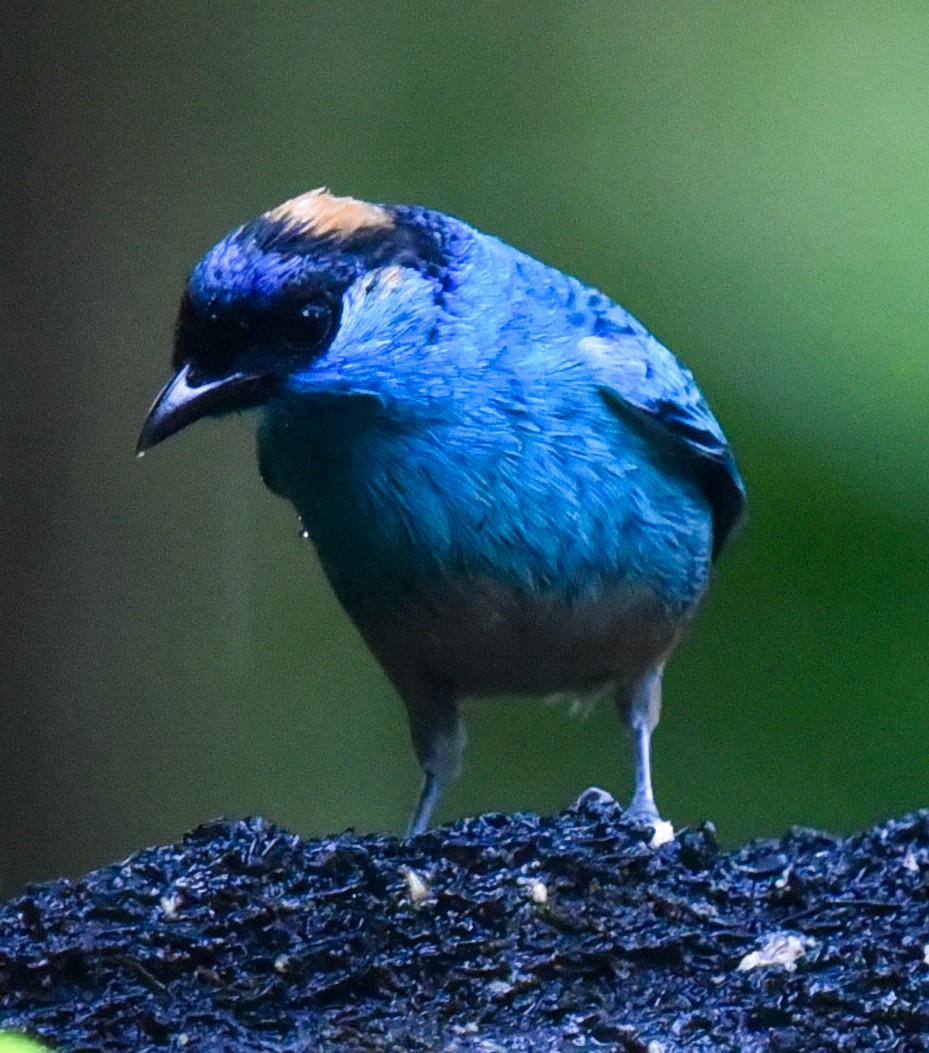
x,y
512,486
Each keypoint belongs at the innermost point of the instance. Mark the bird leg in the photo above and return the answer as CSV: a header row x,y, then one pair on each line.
x,y
643,807
642,711
425,804
439,739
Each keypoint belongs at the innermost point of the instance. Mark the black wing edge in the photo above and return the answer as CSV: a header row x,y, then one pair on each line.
x,y
703,450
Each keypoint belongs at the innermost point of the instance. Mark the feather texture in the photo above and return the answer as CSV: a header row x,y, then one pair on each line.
x,y
512,485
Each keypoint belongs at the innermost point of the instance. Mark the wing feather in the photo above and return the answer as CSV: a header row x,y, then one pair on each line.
x,y
644,383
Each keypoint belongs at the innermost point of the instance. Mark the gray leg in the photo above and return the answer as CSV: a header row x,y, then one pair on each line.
x,y
642,707
439,740
425,804
643,808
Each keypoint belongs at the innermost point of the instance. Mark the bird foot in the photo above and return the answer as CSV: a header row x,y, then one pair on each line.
x,y
642,812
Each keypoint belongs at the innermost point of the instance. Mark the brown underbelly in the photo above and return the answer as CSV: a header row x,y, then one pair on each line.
x,y
489,639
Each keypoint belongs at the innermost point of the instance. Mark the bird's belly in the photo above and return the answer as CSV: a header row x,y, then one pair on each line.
x,y
484,638
500,563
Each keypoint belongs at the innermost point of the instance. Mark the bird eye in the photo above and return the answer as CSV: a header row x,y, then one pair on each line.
x,y
308,327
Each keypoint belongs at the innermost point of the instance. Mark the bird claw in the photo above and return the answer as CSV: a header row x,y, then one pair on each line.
x,y
642,813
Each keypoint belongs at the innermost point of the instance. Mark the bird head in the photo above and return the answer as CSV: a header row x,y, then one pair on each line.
x,y
270,302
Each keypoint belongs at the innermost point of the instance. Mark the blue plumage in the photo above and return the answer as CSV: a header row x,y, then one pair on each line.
x,y
513,487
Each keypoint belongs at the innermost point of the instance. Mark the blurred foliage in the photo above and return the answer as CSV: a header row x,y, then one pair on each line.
x,y
748,179
11,1042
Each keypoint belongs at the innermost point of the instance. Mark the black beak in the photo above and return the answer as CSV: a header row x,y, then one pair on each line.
x,y
181,403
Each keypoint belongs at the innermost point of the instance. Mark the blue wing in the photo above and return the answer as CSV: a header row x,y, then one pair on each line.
x,y
644,383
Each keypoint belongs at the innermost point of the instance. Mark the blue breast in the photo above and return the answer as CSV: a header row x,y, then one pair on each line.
x,y
489,453
542,506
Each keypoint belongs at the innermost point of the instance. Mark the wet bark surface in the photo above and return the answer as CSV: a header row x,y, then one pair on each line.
x,y
497,933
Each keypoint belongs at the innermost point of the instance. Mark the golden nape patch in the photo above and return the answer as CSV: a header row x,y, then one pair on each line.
x,y
319,213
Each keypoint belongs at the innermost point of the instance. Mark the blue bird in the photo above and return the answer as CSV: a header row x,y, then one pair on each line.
x,y
513,487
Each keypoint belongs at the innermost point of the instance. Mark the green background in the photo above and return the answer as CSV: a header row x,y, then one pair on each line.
x,y
751,180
